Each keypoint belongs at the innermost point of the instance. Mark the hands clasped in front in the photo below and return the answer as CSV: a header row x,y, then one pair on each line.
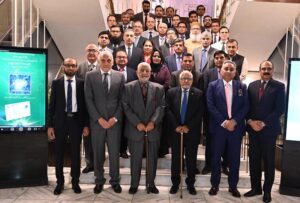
x,y
145,128
107,124
182,129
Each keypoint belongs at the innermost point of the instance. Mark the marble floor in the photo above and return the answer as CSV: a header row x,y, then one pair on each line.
x,y
44,194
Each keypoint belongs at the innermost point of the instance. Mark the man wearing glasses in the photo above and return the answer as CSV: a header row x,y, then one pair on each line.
x,y
67,120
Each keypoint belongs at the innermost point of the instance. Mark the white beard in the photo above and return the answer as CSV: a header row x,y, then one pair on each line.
x,y
195,37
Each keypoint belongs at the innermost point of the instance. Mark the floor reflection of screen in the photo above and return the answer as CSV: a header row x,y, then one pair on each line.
x,y
17,110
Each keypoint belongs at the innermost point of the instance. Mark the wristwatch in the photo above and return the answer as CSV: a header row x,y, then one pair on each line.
x,y
116,120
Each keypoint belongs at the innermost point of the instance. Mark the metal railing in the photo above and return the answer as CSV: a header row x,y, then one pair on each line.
x,y
5,18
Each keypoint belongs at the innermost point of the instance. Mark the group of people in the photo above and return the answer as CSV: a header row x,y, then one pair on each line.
x,y
154,80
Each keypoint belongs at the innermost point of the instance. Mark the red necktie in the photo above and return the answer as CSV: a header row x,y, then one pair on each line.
x,y
261,89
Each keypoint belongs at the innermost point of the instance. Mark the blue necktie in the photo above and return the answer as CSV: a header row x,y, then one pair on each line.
x,y
203,60
183,107
69,97
178,63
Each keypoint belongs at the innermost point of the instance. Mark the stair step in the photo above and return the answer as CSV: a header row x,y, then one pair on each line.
x,y
163,178
6,43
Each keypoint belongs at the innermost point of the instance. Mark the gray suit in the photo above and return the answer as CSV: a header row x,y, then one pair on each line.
x,y
197,53
102,105
83,68
146,34
137,112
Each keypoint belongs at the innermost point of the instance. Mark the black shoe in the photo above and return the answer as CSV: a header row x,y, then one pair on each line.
x,y
117,188
267,197
76,188
252,193
124,155
234,192
213,191
197,171
174,189
98,188
87,169
225,171
58,189
153,190
192,190
205,170
133,190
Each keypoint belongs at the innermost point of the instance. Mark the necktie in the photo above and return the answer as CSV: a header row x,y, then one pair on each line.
x,y
124,28
178,63
183,107
150,35
182,37
228,99
223,46
158,21
129,52
144,92
203,60
69,97
261,89
121,70
105,82
91,67
145,23
215,38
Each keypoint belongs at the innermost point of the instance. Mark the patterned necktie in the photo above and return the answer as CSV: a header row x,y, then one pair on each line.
x,y
228,99
183,107
105,82
261,90
144,92
91,67
203,60
69,97
178,63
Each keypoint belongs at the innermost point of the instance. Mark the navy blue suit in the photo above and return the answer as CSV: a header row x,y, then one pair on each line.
x,y
268,109
216,104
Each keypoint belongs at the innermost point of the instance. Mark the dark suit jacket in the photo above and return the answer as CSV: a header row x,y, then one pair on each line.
x,y
155,41
131,75
57,105
136,57
269,108
171,62
212,75
194,111
216,104
137,112
198,81
140,17
141,42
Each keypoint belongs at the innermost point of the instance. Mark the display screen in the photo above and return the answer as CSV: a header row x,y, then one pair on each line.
x,y
293,110
23,89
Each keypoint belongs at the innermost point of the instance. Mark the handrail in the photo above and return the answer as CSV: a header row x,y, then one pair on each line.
x,y
222,13
111,7
2,37
2,1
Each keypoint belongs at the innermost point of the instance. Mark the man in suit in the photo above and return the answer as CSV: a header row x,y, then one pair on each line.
x,y
67,120
89,64
134,54
103,92
227,103
143,104
129,75
167,48
111,20
170,11
159,11
175,21
150,32
188,64
200,12
182,31
215,28
103,41
266,97
240,61
203,56
174,61
160,39
184,110
224,36
125,22
144,15
115,37
138,38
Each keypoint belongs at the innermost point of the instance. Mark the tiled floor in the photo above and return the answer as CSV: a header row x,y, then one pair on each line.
x,y
45,193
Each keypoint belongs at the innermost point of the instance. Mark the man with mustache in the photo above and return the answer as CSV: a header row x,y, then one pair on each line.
x,y
266,97
143,105
195,38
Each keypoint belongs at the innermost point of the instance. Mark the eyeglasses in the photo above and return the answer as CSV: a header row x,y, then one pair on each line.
x,y
188,79
70,65
92,50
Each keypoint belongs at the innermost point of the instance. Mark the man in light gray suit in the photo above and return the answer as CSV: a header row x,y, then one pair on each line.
x,y
143,105
103,93
204,56
89,64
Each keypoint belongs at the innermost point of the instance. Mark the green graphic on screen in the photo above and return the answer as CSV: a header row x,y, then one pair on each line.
x,y
22,90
